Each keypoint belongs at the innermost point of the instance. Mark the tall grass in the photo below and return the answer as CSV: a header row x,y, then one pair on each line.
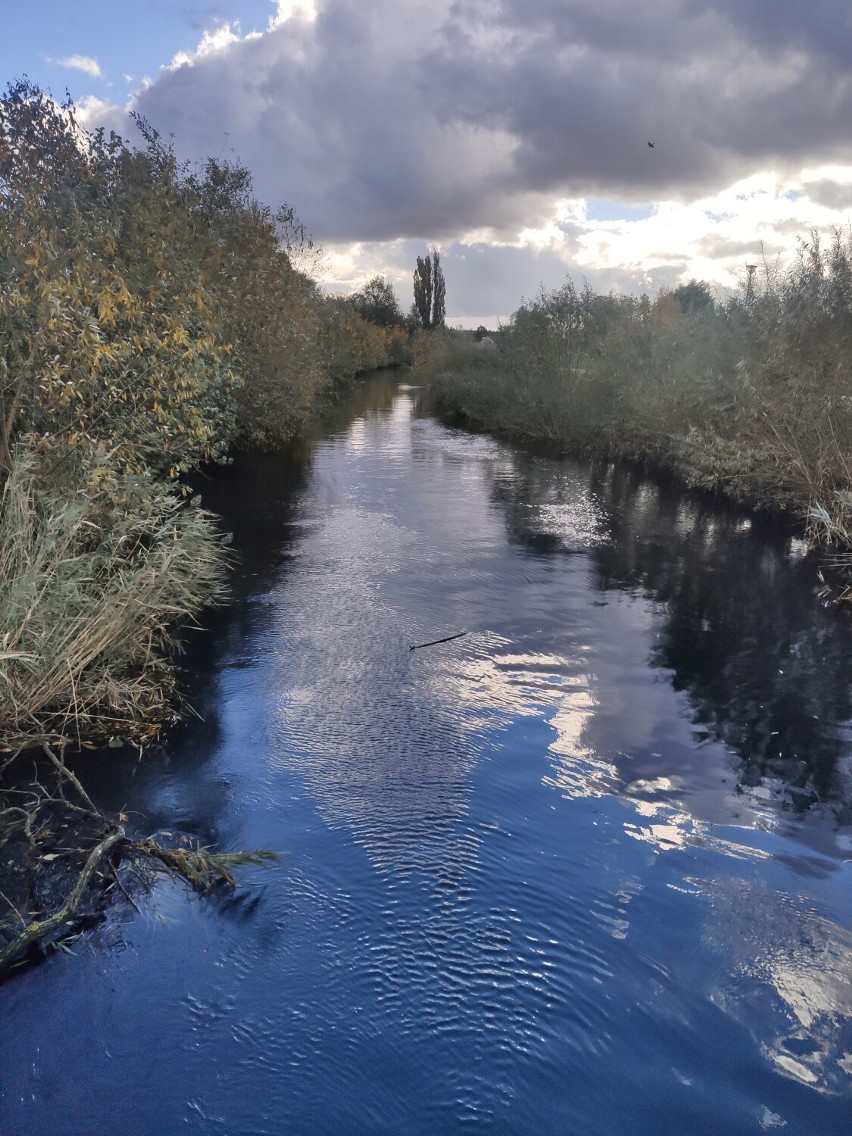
x,y
93,583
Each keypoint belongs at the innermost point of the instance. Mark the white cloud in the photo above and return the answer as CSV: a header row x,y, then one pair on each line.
x,y
78,63
217,40
285,9
92,111
496,129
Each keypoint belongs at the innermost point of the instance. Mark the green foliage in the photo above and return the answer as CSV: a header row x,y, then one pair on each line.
x,y
108,337
147,309
354,345
430,291
290,342
376,302
694,298
270,311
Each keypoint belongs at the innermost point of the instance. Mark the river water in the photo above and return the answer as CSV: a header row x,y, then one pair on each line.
x,y
586,869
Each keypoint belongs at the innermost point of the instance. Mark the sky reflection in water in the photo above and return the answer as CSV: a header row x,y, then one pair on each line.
x,y
610,574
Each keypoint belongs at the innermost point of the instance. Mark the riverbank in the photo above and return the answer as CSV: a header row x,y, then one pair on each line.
x,y
747,398
155,318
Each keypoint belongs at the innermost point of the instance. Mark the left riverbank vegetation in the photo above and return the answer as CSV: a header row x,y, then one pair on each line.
x,y
750,395
154,317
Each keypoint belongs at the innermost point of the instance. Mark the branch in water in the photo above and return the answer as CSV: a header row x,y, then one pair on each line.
x,y
37,930
446,639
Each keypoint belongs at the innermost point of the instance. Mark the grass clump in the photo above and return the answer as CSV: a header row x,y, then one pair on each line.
x,y
93,581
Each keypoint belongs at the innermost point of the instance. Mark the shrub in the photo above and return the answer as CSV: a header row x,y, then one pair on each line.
x,y
109,333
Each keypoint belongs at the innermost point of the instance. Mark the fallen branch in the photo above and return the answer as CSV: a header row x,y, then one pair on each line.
x,y
201,867
446,639
39,929
34,849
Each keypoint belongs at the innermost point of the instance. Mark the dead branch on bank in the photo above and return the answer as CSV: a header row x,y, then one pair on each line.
x,y
38,930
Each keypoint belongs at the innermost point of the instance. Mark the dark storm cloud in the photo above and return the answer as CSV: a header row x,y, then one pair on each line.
x,y
820,28
328,117
393,120
831,194
718,248
584,85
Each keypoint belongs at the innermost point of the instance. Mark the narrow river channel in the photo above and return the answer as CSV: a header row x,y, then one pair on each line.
x,y
586,869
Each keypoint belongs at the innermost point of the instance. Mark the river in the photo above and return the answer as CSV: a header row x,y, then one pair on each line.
x,y
586,869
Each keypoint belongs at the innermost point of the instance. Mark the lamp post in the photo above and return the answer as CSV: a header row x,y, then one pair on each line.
x,y
750,269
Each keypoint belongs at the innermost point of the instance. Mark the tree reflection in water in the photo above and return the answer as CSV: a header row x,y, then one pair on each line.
x,y
765,668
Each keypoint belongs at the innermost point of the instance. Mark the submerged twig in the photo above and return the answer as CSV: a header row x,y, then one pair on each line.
x,y
124,890
434,642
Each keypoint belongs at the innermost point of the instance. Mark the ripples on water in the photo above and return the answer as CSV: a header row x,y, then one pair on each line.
x,y
583,870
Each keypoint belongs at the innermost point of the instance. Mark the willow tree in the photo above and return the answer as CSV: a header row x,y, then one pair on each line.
x,y
430,291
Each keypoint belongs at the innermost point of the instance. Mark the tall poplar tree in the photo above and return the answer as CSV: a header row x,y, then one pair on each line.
x,y
430,291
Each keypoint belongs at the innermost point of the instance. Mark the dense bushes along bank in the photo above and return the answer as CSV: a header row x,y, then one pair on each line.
x,y
152,317
751,397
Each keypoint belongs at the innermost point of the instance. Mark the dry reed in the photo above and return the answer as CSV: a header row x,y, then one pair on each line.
x,y
92,586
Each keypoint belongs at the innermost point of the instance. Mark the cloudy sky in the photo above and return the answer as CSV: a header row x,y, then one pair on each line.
x,y
511,134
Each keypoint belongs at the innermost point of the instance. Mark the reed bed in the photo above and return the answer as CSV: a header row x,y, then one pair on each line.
x,y
93,586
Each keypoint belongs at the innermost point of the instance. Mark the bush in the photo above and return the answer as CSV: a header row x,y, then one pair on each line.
x,y
109,335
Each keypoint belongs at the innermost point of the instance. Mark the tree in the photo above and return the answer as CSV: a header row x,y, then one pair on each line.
x,y
376,302
694,298
108,337
430,291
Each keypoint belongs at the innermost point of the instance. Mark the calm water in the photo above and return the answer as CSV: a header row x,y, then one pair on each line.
x,y
585,870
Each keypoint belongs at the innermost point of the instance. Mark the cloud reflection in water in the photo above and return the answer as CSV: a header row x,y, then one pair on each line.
x,y
558,584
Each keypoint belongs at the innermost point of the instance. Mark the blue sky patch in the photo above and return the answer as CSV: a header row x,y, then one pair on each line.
x,y
602,209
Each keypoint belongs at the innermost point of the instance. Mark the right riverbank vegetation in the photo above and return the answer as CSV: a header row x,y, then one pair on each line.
x,y
750,395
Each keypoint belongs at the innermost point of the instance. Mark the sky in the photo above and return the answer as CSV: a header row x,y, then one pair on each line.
x,y
512,135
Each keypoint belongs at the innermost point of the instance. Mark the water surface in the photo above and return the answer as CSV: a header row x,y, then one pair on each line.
x,y
584,870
